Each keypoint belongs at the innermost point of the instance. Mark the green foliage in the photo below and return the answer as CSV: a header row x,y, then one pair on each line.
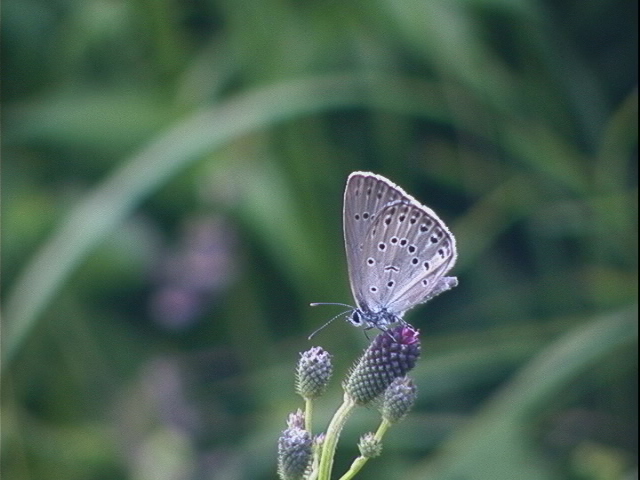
x,y
171,192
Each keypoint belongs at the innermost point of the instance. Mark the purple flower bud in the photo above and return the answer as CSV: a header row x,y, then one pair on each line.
x,y
296,419
313,372
390,355
398,399
295,449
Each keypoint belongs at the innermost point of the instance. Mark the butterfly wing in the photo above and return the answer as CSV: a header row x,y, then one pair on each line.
x,y
398,250
365,195
414,249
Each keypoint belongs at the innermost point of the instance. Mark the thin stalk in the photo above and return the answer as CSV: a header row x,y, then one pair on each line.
x,y
308,414
332,436
359,462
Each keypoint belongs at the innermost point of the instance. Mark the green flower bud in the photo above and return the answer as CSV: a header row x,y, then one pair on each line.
x,y
369,446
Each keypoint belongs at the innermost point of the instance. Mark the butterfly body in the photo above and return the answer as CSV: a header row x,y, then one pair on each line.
x,y
398,250
362,316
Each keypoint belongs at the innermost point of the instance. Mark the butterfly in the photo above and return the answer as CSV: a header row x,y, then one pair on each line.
x,y
398,251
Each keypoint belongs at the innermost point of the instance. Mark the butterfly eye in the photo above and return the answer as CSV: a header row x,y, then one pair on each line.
x,y
355,318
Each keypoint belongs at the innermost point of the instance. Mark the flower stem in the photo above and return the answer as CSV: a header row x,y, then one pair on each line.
x,y
331,438
356,466
359,462
308,413
382,429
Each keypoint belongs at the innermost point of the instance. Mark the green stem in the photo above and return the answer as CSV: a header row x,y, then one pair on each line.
x,y
308,414
382,429
331,438
356,466
359,462
317,451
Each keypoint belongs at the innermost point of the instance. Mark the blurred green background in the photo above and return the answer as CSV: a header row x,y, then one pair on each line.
x,y
171,204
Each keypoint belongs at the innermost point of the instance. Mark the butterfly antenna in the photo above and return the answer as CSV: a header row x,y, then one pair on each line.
x,y
332,319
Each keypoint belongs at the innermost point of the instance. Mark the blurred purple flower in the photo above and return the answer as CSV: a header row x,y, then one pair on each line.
x,y
203,265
